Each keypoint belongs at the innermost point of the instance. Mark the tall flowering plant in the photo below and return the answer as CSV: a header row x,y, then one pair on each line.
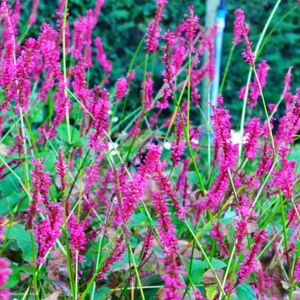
x,y
113,188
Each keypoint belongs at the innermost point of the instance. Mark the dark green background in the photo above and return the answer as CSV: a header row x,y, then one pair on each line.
x,y
122,24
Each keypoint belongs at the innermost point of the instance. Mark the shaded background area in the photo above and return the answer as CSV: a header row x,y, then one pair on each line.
x,y
122,24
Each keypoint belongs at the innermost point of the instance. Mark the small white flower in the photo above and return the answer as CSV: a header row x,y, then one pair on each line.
x,y
236,137
112,147
167,145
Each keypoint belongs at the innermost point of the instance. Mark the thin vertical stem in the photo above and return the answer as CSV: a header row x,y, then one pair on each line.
x,y
65,66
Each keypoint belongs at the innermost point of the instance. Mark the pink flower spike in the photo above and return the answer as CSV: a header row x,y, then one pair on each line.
x,y
217,234
77,236
33,15
101,57
121,89
5,271
191,26
169,71
61,170
47,231
252,133
97,9
255,93
40,182
239,24
148,92
153,29
297,271
248,266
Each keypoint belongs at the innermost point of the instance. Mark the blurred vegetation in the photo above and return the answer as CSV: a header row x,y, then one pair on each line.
x,y
122,25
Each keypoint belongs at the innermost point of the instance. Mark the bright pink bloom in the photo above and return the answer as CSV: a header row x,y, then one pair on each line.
x,y
166,230
148,243
289,124
132,193
223,147
173,281
20,87
287,83
77,236
5,271
33,14
225,151
297,268
129,193
178,144
217,234
248,266
92,176
151,161
61,7
130,76
153,29
61,170
198,295
240,33
262,72
8,46
101,57
100,122
97,9
242,222
248,54
285,177
239,25
165,185
79,83
148,92
272,107
169,71
266,158
179,54
47,231
241,232
252,132
121,89
153,165
51,59
82,38
62,105
40,182
182,184
191,26
10,20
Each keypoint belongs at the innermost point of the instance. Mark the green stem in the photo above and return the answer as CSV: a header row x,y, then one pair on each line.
x,y
226,69
206,258
65,66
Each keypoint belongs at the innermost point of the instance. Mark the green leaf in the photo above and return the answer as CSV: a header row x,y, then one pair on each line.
x,y
14,277
137,220
211,291
23,239
198,269
102,293
7,203
200,266
218,264
9,185
245,292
